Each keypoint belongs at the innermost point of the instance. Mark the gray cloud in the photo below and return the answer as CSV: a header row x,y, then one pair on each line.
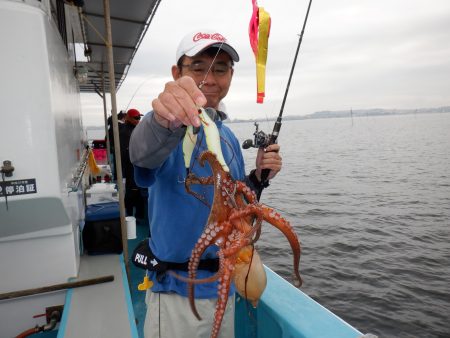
x,y
360,54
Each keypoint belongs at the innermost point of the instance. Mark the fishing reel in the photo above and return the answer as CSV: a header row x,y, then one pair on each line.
x,y
261,139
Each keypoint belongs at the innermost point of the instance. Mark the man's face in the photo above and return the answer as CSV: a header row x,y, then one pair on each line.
x,y
217,79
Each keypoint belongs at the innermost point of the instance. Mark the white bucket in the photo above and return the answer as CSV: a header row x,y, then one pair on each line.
x,y
131,227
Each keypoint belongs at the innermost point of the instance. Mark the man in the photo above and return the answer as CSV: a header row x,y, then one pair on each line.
x,y
135,203
120,120
201,77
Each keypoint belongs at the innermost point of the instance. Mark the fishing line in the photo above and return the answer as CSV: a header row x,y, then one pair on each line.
x,y
203,82
135,92
198,149
159,314
278,93
200,197
248,272
232,150
276,208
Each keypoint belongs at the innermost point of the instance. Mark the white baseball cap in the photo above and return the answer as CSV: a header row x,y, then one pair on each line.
x,y
199,40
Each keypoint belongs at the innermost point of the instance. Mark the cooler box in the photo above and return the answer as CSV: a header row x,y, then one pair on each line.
x,y
99,149
100,193
101,232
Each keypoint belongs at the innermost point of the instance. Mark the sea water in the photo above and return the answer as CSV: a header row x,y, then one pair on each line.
x,y
370,200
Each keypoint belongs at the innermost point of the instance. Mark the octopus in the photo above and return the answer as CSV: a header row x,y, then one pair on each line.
x,y
230,227
234,226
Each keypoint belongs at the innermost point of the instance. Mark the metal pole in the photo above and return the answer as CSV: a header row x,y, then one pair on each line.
x,y
56,287
108,150
112,84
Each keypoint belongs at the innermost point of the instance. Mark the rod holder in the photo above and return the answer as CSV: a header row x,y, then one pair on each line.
x,y
7,168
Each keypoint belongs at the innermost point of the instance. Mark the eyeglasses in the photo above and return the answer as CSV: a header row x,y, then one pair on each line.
x,y
200,68
137,118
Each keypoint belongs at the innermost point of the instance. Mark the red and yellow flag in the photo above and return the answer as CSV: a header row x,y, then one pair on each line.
x,y
258,31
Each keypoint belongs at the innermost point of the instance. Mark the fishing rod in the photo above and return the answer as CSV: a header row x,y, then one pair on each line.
x,y
261,139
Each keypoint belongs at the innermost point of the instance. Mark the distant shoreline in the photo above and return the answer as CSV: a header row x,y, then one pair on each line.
x,y
326,114
352,113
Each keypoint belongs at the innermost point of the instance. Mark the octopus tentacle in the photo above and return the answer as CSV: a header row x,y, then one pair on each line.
x,y
247,192
248,223
226,256
192,179
223,291
274,218
251,198
211,158
210,279
250,231
234,248
210,235
258,226
228,262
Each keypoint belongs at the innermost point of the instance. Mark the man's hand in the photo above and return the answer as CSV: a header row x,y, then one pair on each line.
x,y
268,158
178,103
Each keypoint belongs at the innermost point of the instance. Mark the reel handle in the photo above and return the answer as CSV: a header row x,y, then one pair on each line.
x,y
265,172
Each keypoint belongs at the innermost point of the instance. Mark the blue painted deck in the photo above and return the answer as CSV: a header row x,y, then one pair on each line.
x,y
136,277
137,297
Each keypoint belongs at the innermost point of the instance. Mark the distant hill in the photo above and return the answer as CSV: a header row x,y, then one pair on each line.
x,y
355,113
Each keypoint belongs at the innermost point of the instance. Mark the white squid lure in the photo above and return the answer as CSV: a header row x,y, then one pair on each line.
x,y
212,140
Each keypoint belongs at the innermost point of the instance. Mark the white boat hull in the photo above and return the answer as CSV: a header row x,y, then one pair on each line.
x,y
42,135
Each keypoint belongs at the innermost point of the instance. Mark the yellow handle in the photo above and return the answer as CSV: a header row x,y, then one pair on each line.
x,y
146,284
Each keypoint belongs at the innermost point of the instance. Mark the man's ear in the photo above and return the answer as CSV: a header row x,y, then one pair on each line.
x,y
176,74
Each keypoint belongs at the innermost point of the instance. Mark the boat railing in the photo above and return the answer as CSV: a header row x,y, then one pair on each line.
x,y
76,180
285,311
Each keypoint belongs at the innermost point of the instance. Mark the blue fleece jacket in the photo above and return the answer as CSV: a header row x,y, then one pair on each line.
x,y
177,218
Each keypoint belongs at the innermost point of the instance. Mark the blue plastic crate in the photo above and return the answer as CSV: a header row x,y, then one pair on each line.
x,y
102,211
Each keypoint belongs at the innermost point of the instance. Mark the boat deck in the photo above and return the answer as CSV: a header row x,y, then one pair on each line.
x,y
114,310
103,310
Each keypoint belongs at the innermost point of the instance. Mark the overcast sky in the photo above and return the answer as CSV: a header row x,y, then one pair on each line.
x,y
355,54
